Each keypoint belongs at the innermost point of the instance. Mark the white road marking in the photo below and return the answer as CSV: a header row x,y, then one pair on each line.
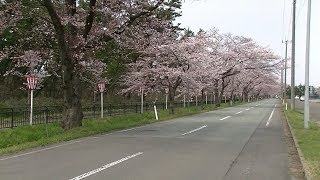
x,y
128,129
239,112
82,176
257,105
270,117
45,149
248,109
225,118
194,130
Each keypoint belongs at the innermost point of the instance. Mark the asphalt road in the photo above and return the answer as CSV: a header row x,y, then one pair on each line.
x,y
314,109
243,142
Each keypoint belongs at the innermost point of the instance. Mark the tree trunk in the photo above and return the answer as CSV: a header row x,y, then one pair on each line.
x,y
66,36
171,101
217,100
72,113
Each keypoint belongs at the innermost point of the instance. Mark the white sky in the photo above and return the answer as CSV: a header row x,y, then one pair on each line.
x,y
263,21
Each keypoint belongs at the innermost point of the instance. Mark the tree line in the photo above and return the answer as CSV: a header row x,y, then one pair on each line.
x,y
132,45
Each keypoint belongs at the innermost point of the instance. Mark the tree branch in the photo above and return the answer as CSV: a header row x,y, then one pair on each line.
x,y
89,19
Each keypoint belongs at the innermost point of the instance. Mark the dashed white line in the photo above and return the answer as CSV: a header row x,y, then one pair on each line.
x,y
239,112
270,117
248,109
225,118
194,130
82,176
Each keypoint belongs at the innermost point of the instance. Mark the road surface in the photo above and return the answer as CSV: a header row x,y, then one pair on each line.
x,y
242,142
314,109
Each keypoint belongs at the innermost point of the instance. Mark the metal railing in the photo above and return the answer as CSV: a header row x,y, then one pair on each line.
x,y
19,116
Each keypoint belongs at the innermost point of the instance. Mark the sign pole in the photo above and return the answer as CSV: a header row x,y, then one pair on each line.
x,y
32,81
101,87
141,100
101,105
31,106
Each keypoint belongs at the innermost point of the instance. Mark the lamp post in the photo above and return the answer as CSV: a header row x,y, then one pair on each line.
x,y
32,81
101,87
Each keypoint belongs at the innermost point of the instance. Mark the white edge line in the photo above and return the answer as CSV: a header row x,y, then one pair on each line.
x,y
225,118
239,112
194,130
104,167
125,130
270,117
45,149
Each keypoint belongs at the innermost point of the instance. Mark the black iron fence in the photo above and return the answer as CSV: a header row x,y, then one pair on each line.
x,y
20,116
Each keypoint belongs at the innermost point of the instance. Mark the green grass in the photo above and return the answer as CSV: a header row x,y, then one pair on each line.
x,y
21,138
308,140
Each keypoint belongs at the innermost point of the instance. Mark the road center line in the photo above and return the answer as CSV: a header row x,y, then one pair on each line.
x,y
194,130
248,109
82,176
239,112
225,118
270,117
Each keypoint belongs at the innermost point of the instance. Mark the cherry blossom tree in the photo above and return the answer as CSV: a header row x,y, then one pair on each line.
x,y
165,64
77,30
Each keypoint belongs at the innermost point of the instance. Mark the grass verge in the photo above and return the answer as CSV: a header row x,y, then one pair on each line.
x,y
26,137
308,141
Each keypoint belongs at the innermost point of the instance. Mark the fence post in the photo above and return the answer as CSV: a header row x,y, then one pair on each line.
x,y
46,118
110,110
46,112
94,111
12,117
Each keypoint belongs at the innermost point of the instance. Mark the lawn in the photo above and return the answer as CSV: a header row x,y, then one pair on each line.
x,y
308,140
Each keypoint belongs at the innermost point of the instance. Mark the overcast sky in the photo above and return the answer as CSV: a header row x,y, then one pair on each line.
x,y
262,20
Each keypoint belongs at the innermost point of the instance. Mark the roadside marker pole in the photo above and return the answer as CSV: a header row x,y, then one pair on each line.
x,y
155,112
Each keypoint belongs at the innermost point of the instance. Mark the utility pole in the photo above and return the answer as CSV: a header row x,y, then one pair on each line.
x,y
282,94
293,55
306,91
285,72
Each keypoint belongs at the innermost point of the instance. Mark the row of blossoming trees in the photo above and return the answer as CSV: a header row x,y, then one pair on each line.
x,y
63,39
209,62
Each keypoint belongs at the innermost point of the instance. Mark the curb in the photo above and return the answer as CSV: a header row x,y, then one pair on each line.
x,y
302,159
